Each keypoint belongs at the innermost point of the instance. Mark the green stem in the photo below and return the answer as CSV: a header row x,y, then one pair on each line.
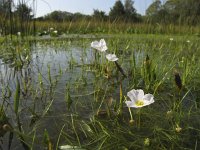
x,y
121,100
129,109
139,119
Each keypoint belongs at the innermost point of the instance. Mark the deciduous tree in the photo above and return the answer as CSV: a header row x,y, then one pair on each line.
x,y
117,12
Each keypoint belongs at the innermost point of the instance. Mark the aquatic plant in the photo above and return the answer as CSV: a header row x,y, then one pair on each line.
x,y
78,107
139,99
111,57
100,46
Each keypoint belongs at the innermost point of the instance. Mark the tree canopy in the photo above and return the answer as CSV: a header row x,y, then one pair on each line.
x,y
175,11
118,11
23,12
125,12
99,15
130,11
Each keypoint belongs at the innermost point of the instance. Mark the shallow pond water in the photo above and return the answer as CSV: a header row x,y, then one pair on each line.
x,y
54,66
66,82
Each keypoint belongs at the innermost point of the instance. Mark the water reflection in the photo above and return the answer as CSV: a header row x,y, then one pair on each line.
x,y
56,66
51,68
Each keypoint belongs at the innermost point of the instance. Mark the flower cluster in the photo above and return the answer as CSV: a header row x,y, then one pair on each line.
x,y
138,98
102,47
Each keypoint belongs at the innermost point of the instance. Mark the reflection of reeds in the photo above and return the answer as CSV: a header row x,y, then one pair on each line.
x,y
177,79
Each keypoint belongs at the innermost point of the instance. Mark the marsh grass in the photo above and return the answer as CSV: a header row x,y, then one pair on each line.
x,y
109,27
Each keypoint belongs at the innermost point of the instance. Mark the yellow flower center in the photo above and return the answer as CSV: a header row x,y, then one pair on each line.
x,y
139,103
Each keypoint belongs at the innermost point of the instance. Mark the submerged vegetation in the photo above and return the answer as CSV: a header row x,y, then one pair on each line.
x,y
80,84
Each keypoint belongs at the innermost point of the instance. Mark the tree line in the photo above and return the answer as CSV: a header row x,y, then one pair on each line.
x,y
170,12
122,12
174,11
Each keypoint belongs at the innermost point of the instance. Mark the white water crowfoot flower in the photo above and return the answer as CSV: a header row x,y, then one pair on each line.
x,y
111,57
100,46
138,99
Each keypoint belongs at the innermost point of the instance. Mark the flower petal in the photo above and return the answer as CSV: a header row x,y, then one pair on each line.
x,y
101,45
135,95
102,42
132,95
140,94
103,48
148,99
129,103
111,57
95,44
132,104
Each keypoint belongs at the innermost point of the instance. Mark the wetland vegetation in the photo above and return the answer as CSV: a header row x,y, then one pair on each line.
x,y
79,85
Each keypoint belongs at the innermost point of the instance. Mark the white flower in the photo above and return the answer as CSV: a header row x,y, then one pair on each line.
x,y
138,99
55,31
19,33
111,57
101,45
51,29
171,39
188,41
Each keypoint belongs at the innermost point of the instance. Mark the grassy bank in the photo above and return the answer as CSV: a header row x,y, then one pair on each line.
x,y
84,26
